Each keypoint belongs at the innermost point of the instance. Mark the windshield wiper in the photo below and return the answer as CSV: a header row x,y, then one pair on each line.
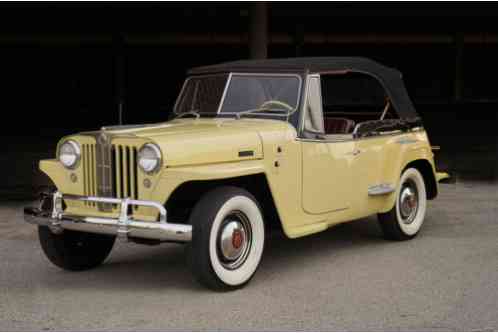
x,y
191,112
250,111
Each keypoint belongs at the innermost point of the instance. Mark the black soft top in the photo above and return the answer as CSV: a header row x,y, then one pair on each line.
x,y
390,78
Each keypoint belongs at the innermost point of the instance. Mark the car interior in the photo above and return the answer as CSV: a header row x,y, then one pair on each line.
x,y
348,101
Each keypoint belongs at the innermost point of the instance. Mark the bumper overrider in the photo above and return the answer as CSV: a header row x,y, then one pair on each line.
x,y
123,226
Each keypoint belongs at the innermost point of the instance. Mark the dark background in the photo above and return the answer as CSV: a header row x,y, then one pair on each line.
x,y
68,67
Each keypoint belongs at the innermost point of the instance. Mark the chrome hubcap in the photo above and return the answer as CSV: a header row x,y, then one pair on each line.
x,y
408,202
234,240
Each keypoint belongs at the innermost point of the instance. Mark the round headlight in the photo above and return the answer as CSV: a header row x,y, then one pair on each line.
x,y
69,154
149,158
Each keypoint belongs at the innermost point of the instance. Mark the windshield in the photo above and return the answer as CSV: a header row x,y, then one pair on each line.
x,y
202,94
268,93
273,94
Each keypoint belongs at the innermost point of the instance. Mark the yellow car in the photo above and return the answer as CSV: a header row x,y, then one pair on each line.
x,y
302,144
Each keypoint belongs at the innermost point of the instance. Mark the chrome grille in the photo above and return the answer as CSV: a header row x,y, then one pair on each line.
x,y
124,171
89,162
109,171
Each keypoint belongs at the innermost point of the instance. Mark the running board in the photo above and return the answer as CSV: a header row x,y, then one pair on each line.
x,y
381,189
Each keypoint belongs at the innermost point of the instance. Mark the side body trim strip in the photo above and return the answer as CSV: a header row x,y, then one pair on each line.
x,y
381,189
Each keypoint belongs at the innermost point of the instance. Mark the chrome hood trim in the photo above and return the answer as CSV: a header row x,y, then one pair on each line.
x,y
131,126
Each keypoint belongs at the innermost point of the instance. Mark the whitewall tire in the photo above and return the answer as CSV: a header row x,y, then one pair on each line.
x,y
405,219
227,238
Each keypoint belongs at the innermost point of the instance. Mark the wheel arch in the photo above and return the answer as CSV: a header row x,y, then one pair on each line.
x,y
181,201
427,171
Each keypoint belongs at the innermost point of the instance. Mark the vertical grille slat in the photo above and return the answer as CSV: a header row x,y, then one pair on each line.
x,y
121,193
135,173
132,172
87,173
117,172
93,173
84,158
126,175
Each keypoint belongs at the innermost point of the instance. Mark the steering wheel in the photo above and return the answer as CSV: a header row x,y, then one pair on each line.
x,y
267,104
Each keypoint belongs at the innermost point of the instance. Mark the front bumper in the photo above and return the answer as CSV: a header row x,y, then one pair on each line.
x,y
123,226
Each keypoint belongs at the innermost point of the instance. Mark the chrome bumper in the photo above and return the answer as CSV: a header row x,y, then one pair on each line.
x,y
123,226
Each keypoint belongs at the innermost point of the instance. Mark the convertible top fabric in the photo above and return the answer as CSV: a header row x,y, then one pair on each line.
x,y
390,78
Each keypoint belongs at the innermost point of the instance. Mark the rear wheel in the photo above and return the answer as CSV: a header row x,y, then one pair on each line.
x,y
227,238
405,219
75,250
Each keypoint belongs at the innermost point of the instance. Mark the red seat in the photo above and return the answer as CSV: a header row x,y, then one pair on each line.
x,y
338,125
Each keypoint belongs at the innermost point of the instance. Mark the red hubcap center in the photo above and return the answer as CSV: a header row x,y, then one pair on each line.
x,y
237,239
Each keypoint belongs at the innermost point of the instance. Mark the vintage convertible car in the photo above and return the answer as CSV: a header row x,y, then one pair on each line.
x,y
302,144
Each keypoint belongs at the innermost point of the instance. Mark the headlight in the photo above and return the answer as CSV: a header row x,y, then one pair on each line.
x,y
69,154
149,158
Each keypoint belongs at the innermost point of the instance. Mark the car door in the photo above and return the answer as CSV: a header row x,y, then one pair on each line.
x,y
326,174
367,166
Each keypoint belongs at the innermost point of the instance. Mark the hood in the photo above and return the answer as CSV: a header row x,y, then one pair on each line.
x,y
203,141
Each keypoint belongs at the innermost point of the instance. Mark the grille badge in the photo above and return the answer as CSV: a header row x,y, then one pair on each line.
x,y
104,172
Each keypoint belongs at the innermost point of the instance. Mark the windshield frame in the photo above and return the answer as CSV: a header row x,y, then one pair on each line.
x,y
227,85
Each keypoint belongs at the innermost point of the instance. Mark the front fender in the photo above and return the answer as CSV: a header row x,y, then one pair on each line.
x,y
173,177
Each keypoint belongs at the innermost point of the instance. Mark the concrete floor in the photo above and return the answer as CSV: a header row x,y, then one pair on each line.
x,y
347,278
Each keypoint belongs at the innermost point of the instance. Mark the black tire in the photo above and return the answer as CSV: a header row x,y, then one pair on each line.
x,y
75,250
209,217
394,226
390,227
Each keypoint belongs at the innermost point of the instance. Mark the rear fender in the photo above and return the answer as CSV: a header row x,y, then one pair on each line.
x,y
411,156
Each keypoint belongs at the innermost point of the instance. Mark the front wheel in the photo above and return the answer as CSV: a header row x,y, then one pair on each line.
x,y
227,238
405,219
75,250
